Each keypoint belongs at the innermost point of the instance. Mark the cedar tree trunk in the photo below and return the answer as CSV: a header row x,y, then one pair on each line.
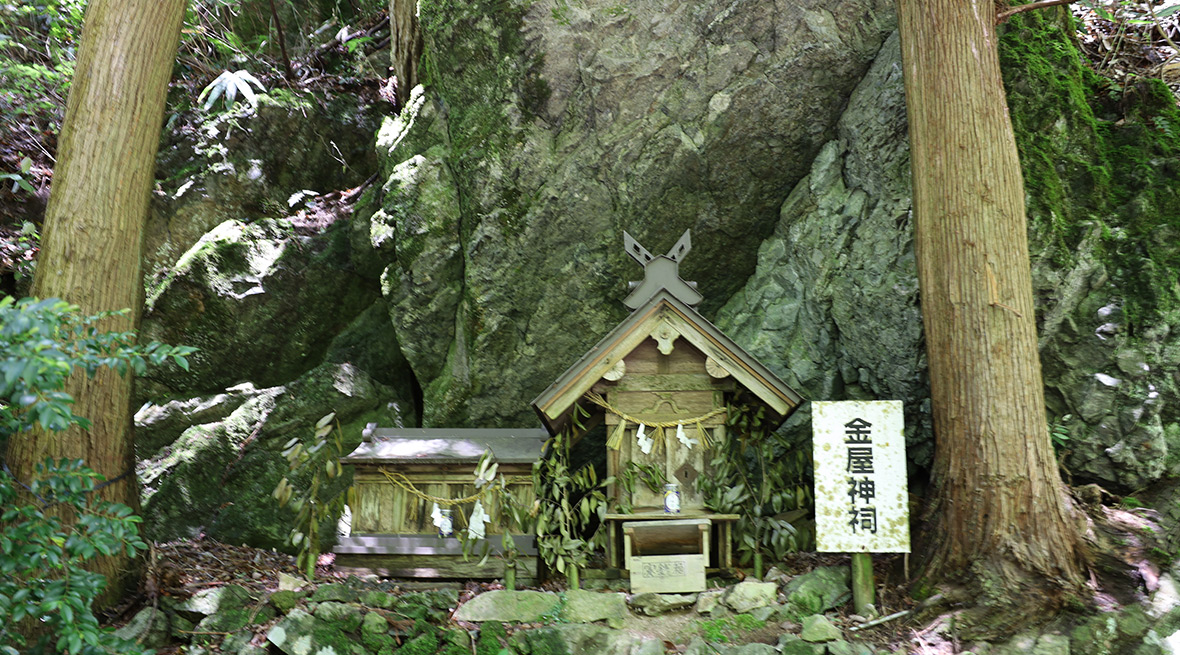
x,y
1004,528
406,51
90,248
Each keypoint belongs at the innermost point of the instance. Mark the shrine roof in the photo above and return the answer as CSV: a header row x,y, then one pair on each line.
x,y
451,445
662,308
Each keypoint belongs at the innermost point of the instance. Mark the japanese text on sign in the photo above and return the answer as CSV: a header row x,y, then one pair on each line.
x,y
860,476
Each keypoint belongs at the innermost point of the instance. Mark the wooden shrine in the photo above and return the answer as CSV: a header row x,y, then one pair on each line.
x,y
399,474
663,381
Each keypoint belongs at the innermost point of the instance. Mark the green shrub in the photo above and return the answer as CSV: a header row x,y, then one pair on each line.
x,y
41,343
45,593
41,559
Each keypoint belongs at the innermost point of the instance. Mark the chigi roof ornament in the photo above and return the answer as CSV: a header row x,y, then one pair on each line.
x,y
660,272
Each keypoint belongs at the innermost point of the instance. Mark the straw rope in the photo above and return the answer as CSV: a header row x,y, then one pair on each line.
x,y
616,437
402,481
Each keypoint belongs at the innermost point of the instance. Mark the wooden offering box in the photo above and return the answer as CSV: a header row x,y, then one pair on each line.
x,y
667,556
399,470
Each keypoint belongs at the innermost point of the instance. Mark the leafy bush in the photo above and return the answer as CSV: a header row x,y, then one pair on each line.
x,y
42,579
42,342
765,480
571,505
51,528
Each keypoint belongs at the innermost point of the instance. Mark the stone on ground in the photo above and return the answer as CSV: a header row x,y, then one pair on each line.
x,y
288,582
509,606
819,590
791,644
653,604
589,639
345,616
817,629
699,646
748,594
590,606
299,633
149,627
216,599
710,601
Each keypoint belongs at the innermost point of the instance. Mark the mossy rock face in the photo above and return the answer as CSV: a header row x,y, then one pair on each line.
x,y
833,306
246,164
228,295
1102,169
181,497
511,174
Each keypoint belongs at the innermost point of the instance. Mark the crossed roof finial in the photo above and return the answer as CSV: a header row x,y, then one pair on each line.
x,y
660,272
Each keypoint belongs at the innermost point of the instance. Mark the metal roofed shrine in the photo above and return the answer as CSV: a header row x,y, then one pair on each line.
x,y
663,381
402,474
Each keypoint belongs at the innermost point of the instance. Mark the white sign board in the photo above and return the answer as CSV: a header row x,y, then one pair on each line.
x,y
861,502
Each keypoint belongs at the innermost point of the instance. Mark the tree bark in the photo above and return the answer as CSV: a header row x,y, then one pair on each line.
x,y
1006,529
407,46
92,238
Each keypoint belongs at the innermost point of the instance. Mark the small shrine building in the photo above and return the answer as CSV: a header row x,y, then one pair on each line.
x,y
663,382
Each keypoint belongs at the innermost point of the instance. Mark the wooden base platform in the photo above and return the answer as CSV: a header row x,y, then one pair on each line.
x,y
428,556
721,546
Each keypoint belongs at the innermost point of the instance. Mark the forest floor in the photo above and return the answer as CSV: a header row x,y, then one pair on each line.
x,y
180,569
1123,574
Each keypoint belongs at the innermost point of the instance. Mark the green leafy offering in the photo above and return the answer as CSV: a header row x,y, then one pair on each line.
x,y
318,458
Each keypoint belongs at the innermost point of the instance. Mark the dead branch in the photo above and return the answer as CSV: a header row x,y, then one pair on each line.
x,y
1012,11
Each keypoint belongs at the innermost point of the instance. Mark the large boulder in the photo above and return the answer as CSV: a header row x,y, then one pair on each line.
x,y
833,304
217,477
509,181
260,302
246,164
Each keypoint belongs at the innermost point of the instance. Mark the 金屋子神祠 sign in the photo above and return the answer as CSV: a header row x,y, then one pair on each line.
x,y
861,502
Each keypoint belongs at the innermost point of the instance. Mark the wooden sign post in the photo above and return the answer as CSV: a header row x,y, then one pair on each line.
x,y
861,503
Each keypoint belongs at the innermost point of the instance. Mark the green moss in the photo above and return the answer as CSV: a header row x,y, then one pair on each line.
x,y
729,628
285,600
492,638
375,643
1097,158
424,644
455,642
286,99
489,69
